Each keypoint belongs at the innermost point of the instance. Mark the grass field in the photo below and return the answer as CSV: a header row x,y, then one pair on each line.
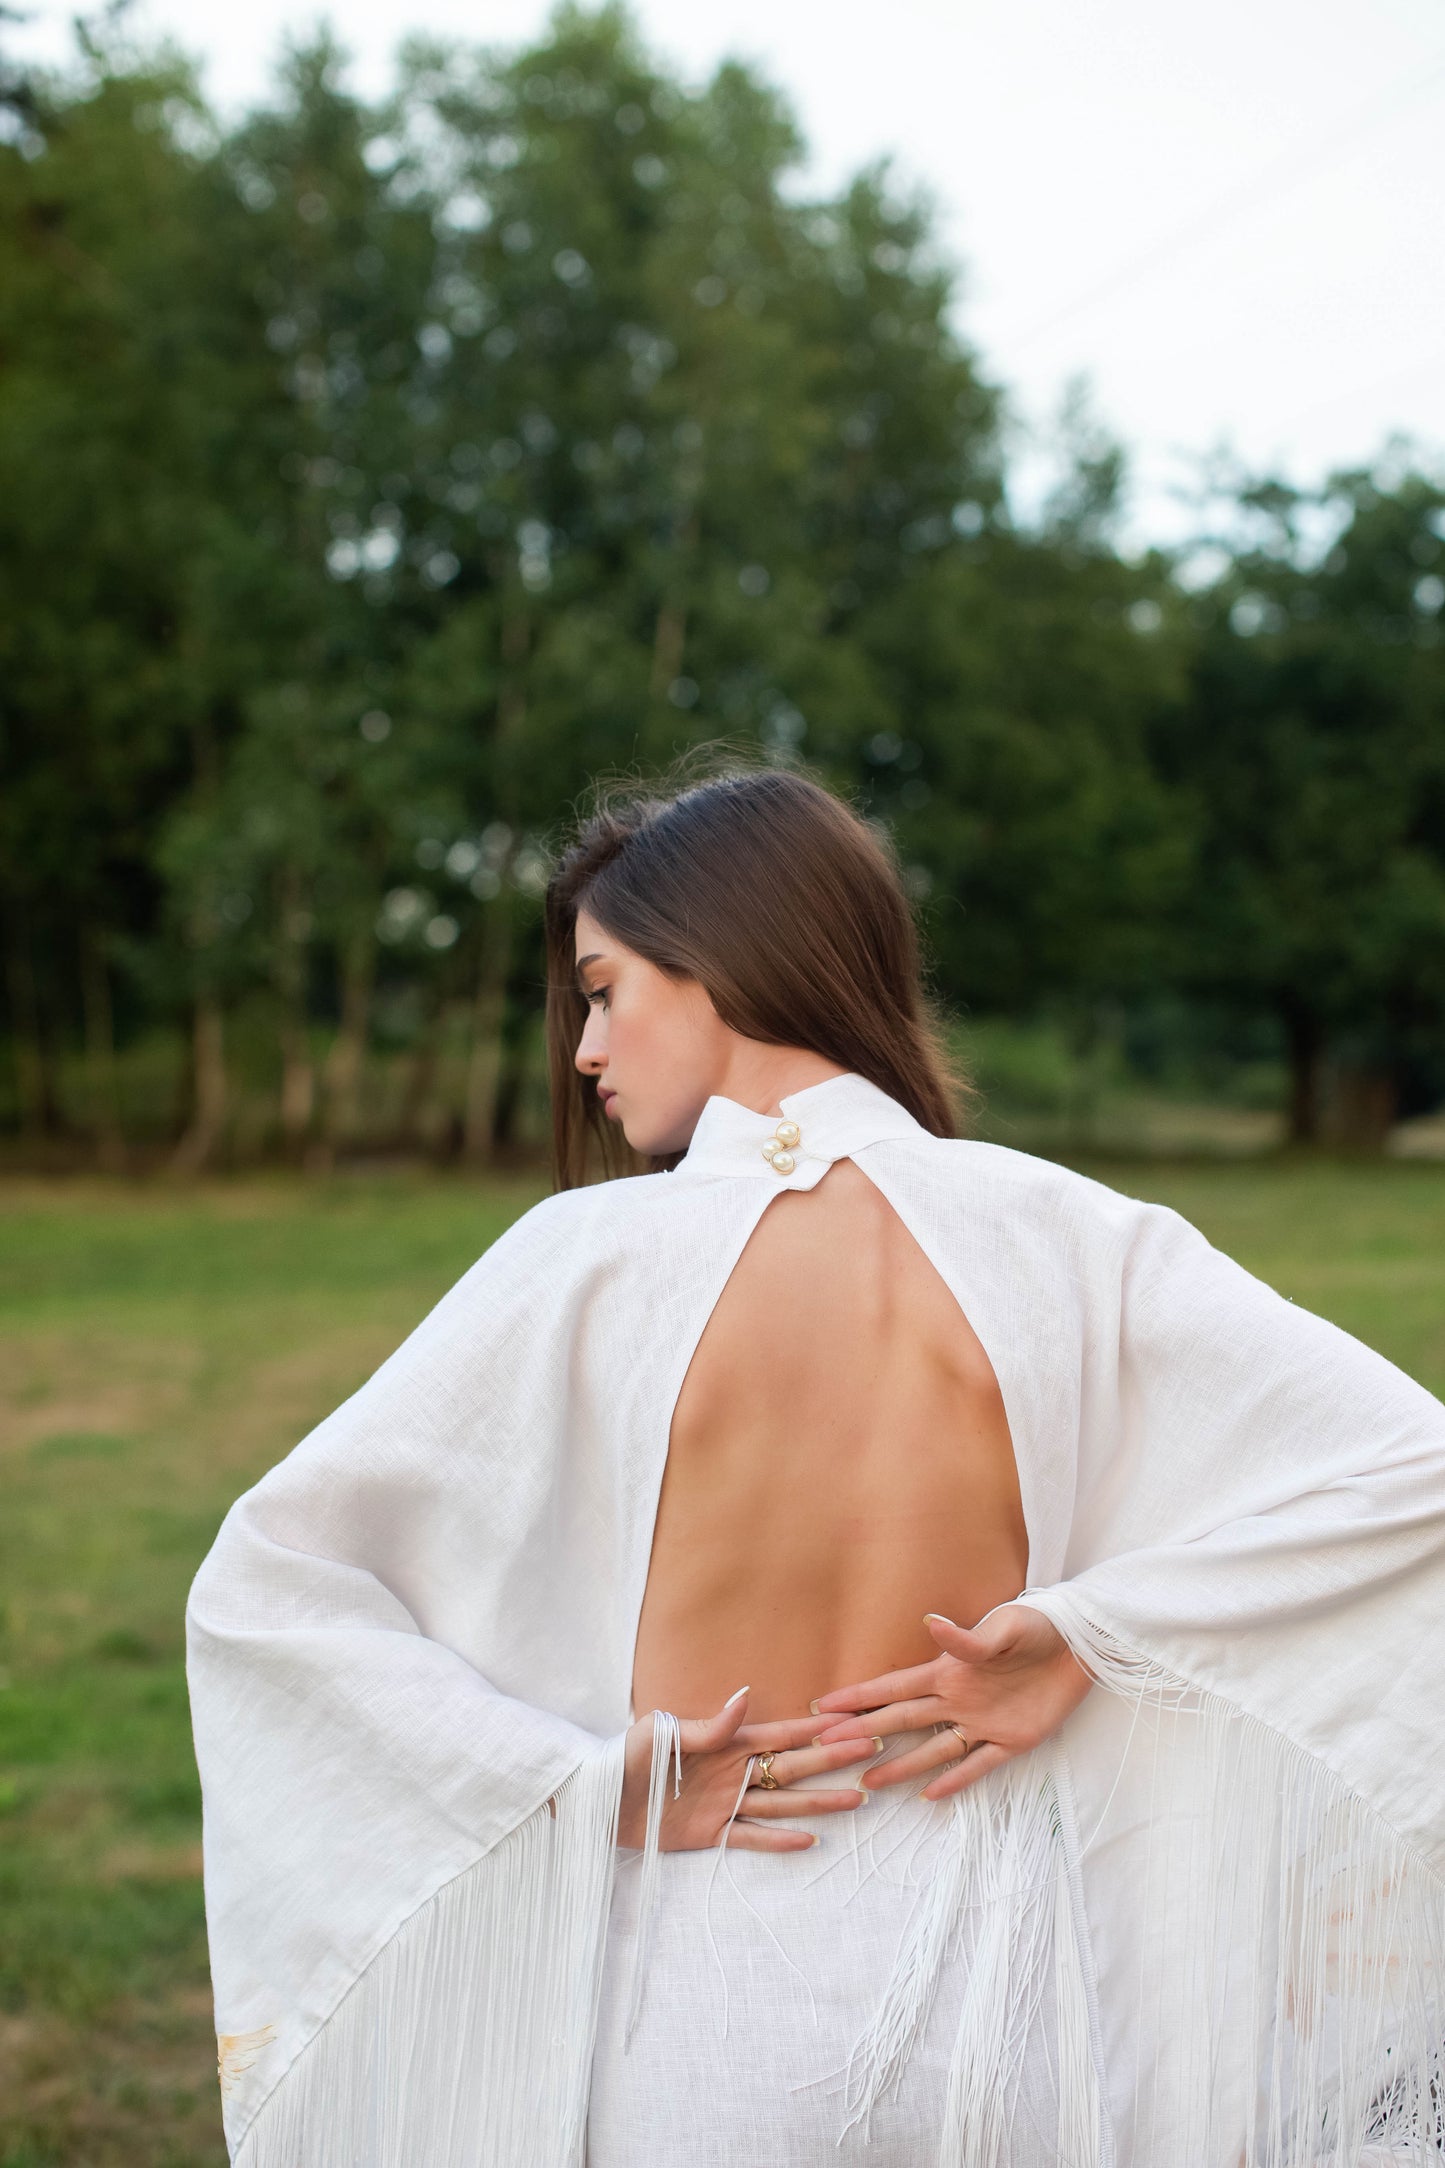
x,y
158,1350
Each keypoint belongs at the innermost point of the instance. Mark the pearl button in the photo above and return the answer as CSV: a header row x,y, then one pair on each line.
x,y
788,1134
783,1162
771,1147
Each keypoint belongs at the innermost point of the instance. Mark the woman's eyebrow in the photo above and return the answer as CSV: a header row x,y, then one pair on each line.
x,y
584,961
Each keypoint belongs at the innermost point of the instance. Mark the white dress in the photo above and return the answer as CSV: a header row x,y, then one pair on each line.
x,y
762,1974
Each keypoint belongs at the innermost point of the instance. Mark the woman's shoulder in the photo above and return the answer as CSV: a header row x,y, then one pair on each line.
x,y
526,1272
617,1201
1024,1181
580,1223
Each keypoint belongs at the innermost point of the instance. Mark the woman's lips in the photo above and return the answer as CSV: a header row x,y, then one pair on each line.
x,y
607,1099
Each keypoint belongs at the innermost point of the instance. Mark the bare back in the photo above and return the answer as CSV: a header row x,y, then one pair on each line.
x,y
839,1464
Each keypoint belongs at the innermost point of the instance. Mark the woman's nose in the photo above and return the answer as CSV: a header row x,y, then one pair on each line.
x,y
589,1056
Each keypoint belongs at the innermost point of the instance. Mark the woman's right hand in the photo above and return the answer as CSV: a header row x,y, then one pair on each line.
x,y
715,1755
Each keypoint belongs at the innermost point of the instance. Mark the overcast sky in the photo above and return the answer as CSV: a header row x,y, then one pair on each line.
x,y
1231,219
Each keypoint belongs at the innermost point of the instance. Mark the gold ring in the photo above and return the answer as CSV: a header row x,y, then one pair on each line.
x,y
960,1736
767,1782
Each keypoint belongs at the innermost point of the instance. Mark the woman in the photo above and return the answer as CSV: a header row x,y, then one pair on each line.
x,y
851,1645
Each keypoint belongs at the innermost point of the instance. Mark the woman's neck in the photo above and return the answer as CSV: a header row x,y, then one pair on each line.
x,y
761,1077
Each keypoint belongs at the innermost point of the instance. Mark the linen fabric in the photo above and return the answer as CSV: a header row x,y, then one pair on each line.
x,y
1215,1903
761,1973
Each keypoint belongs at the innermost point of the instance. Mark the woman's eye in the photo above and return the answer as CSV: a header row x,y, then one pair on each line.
x,y
599,993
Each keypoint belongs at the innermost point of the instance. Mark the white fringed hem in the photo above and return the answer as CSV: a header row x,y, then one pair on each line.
x,y
1306,2023
1004,1888
467,2042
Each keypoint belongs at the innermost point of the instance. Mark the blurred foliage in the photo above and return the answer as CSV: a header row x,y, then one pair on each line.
x,y
1312,749
373,476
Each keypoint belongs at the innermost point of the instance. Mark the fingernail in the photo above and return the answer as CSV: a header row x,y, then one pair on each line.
x,y
811,1842
866,1790
737,1696
878,1746
929,1618
813,1709
817,1742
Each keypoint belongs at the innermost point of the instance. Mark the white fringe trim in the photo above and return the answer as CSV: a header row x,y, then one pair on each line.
x,y
467,2043
666,1747
1306,2023
1300,2023
1003,1887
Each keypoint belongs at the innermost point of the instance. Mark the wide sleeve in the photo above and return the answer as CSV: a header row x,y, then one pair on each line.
x,y
407,1842
1258,1581
1271,1509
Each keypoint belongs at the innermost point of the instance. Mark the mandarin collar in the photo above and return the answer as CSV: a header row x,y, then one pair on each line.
x,y
833,1119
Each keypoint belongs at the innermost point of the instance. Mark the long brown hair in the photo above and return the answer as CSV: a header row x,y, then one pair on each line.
x,y
787,907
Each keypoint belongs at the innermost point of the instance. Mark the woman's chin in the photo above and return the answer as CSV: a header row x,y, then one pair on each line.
x,y
645,1138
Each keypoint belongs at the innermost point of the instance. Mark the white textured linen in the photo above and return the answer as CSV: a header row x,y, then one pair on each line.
x,y
760,1976
417,1631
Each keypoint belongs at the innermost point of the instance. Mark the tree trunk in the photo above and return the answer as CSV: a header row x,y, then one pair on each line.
x,y
104,1093
511,1076
341,1114
421,1078
198,1146
500,924
298,1084
34,1088
298,1074
202,1137
1366,1105
1304,1042
488,1008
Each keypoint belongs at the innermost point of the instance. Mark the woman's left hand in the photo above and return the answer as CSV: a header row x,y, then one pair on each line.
x,y
1007,1684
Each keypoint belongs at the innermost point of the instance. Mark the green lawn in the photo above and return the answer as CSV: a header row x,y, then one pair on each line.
x,y
158,1350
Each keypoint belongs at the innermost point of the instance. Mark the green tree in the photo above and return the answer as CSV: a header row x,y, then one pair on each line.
x,y
376,475
1312,744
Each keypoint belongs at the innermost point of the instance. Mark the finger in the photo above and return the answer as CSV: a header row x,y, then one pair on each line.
x,y
934,1754
968,1771
815,1761
972,1645
792,1731
877,1693
998,1633
709,1734
777,1806
754,1837
879,1723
